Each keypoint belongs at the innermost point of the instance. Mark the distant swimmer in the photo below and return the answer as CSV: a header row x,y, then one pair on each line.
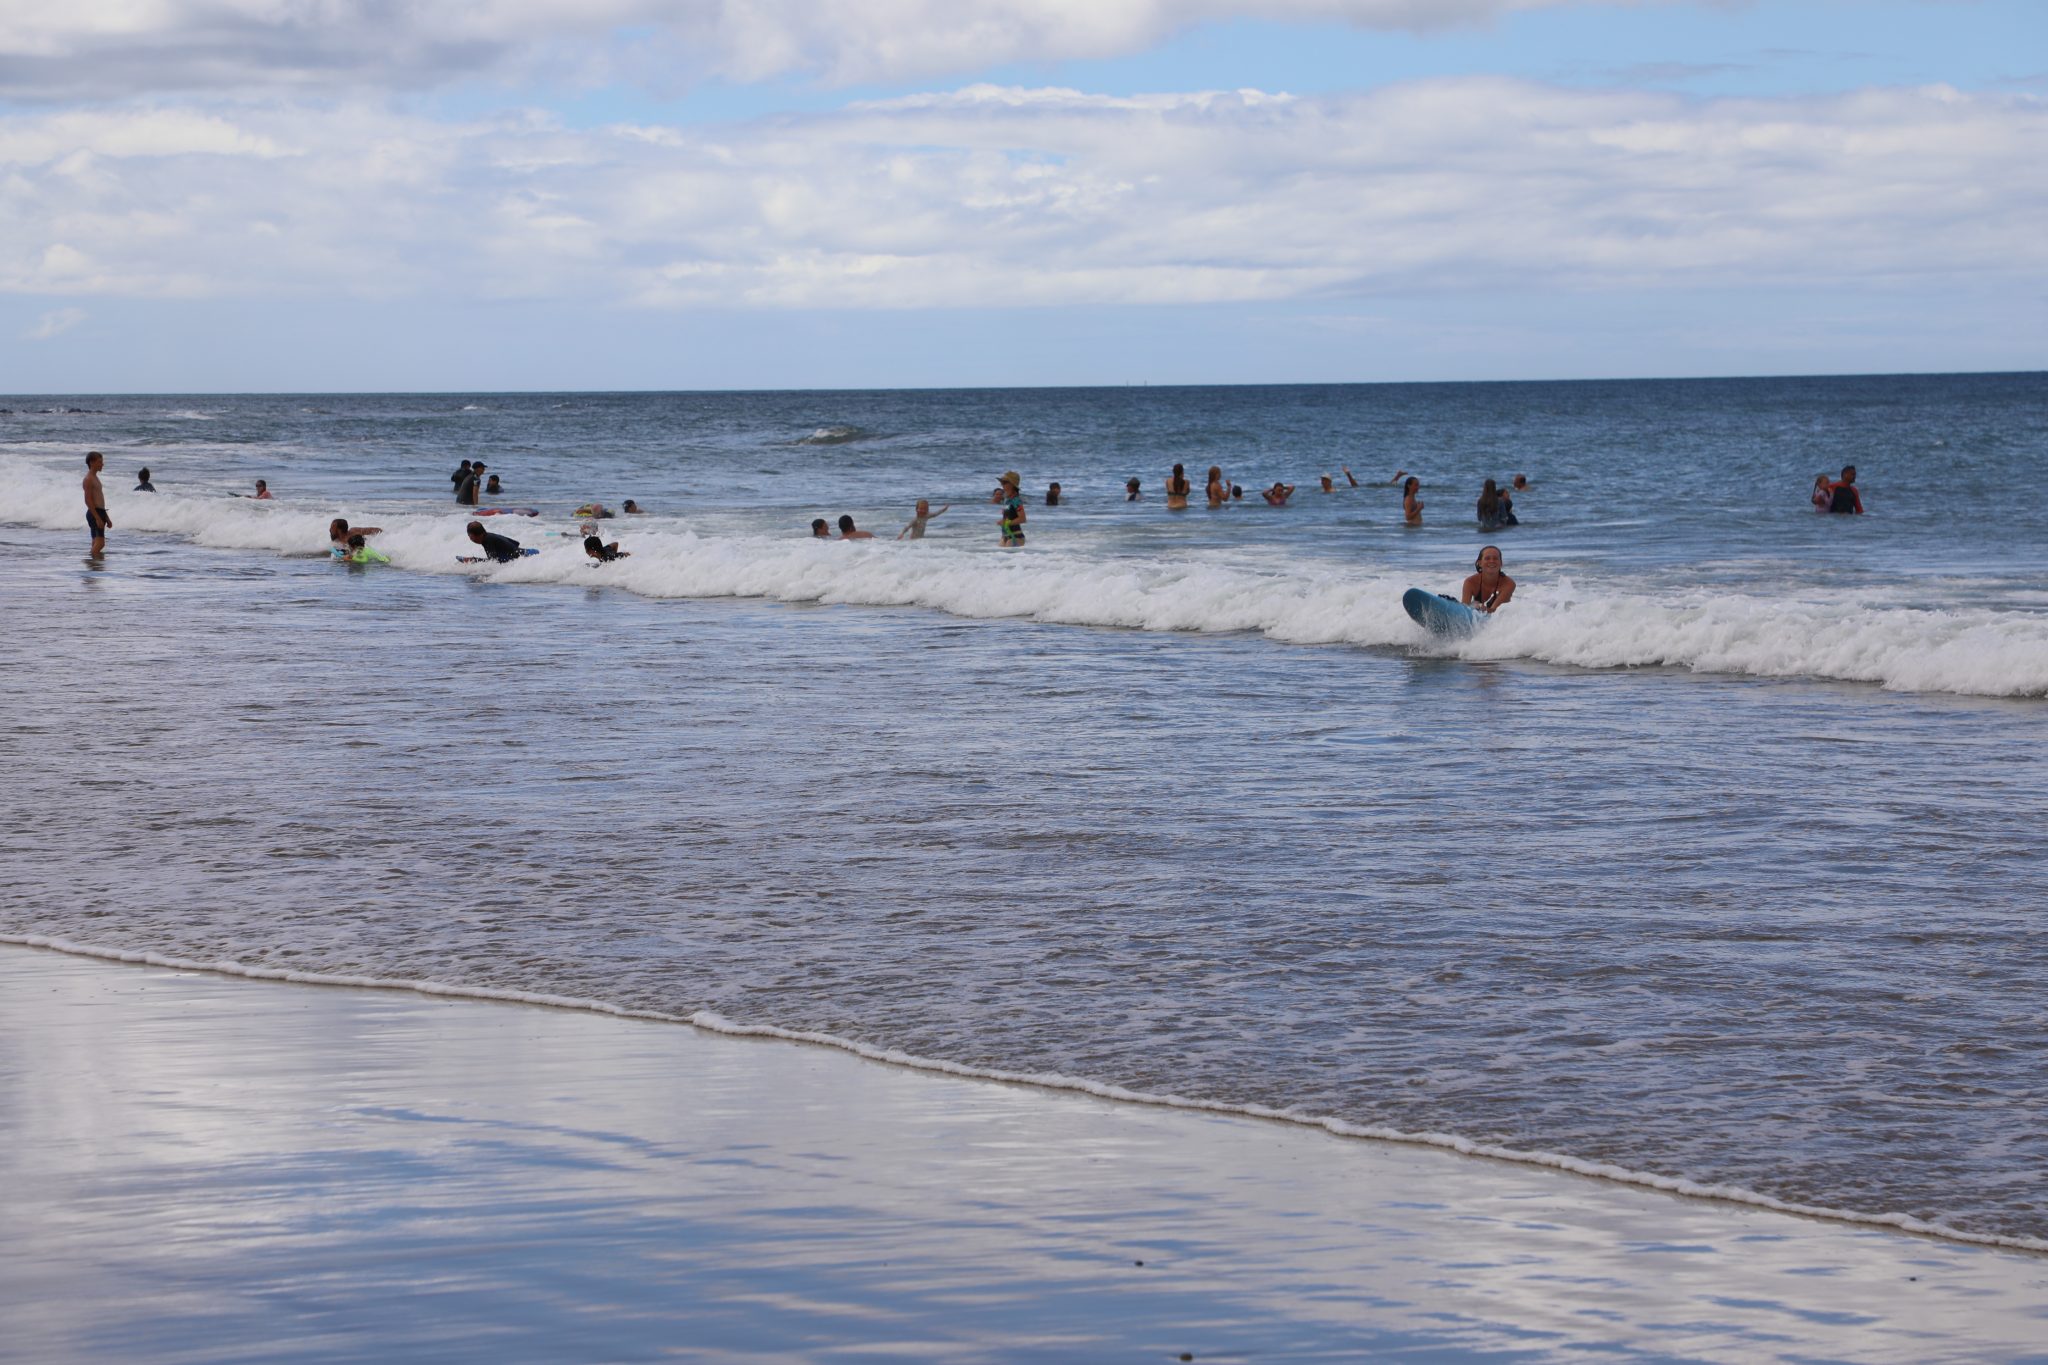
x,y
142,483
821,529
492,485
1399,475
501,549
1496,510
1052,494
1843,499
1329,485
472,483
924,513
359,551
96,519
1133,490
459,478
1278,494
1236,493
1521,484
1411,502
1488,589
1218,488
632,508
1177,488
1349,476
848,531
262,493
1823,492
603,553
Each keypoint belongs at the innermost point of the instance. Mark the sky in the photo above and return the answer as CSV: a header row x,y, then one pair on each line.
x,y
490,195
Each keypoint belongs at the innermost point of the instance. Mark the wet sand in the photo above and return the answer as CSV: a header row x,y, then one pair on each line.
x,y
200,1167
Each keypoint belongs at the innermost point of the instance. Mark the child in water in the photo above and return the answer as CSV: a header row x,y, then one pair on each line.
x,y
359,552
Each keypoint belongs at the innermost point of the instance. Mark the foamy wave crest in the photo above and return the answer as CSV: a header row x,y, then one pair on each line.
x,y
832,436
1976,651
1049,1080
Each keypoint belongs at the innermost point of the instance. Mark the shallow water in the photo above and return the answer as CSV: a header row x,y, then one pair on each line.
x,y
1696,920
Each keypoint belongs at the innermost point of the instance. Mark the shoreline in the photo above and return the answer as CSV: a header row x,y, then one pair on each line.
x,y
230,1168
707,1021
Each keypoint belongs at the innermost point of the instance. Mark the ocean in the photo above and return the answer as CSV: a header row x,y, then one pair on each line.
x,y
1714,862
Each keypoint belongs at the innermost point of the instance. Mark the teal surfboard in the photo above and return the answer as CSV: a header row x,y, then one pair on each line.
x,y
1439,615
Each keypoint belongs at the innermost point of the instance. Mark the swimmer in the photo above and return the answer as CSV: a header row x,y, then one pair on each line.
x,y
339,531
460,477
603,553
632,508
1521,483
1133,490
1218,489
142,483
492,486
1177,489
1328,484
1278,494
1496,509
821,529
1411,505
1236,493
848,531
1823,492
918,518
1052,494
472,482
1488,589
502,549
1843,499
96,519
359,551
262,493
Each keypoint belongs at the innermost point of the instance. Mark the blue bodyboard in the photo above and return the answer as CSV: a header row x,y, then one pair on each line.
x,y
1440,616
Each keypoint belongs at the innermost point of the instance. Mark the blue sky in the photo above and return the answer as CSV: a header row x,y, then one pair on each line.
x,y
613,194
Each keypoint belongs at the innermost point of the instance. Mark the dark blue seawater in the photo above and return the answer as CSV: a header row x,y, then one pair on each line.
x,y
1715,857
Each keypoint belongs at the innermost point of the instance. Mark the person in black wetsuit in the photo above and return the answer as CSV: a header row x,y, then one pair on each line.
x,y
460,476
502,549
1843,499
142,483
466,491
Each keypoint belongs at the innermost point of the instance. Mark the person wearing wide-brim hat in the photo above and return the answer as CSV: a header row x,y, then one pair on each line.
x,y
1012,498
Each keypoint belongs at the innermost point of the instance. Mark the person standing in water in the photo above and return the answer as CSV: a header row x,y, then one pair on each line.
x,y
1218,489
142,483
1411,502
1843,499
1177,489
96,519
1488,589
923,514
1012,489
848,531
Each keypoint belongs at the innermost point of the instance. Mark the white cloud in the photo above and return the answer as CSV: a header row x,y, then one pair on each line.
x,y
113,49
997,197
52,323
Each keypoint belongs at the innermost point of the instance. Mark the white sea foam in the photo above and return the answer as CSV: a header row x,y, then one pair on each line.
x,y
1974,651
715,1023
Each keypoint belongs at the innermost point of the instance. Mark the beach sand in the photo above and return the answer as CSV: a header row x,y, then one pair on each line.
x,y
200,1167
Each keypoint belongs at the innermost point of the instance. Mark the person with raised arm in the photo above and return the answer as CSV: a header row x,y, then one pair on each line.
x,y
914,530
